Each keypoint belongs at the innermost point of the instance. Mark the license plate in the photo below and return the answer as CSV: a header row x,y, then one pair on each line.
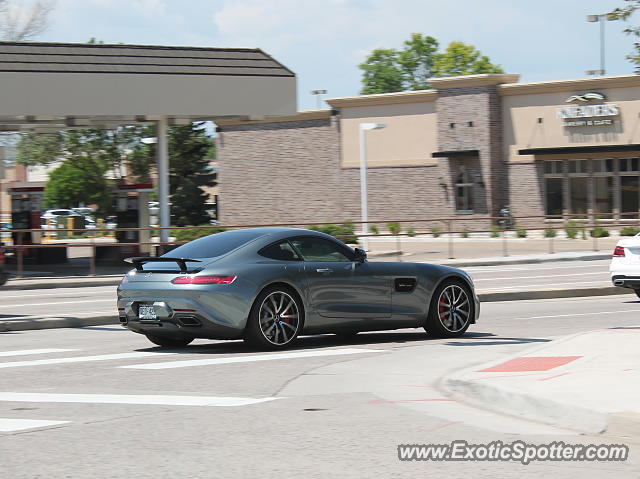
x,y
147,312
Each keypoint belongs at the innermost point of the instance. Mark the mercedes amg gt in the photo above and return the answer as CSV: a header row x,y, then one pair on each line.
x,y
270,285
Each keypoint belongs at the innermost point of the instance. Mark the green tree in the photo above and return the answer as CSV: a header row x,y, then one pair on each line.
x,y
624,13
190,151
409,69
69,186
462,59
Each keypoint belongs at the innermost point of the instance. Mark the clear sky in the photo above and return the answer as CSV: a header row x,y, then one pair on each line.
x,y
323,41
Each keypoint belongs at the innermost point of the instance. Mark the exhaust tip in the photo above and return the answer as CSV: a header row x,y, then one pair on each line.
x,y
618,282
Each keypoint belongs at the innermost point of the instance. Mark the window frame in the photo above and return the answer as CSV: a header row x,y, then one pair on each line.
x,y
348,252
286,240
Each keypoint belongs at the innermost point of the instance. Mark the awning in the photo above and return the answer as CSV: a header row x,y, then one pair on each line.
x,y
455,153
579,149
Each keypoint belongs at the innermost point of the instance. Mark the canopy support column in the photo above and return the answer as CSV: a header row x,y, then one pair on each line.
x,y
162,153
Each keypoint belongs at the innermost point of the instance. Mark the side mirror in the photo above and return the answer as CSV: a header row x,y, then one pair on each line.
x,y
361,255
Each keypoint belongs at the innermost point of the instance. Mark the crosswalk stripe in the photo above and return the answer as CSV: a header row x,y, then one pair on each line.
x,y
26,352
247,359
146,399
11,425
82,359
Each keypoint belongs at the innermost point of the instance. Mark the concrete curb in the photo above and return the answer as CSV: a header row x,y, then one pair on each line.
x,y
53,323
490,297
53,283
542,259
527,405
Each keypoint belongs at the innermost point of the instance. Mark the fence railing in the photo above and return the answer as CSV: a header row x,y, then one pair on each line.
x,y
447,227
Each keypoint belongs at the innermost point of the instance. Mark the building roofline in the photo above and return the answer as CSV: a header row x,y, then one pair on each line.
x,y
555,86
300,116
395,98
467,81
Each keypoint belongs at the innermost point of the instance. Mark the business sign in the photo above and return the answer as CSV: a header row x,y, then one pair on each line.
x,y
587,109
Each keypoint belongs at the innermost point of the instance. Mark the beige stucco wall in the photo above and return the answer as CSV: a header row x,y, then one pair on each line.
x,y
409,138
522,128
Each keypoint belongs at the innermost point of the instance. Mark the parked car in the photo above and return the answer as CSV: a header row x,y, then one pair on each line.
x,y
50,219
84,211
268,285
625,264
4,275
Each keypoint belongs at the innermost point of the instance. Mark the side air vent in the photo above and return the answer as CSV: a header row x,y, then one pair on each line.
x,y
405,285
190,321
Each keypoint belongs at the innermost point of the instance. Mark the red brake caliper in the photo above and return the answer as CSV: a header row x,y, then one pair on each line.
x,y
441,308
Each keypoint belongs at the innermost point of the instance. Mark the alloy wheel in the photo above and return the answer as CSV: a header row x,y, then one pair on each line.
x,y
279,318
454,308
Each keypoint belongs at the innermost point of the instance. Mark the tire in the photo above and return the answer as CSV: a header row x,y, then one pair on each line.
x,y
275,320
4,277
452,299
167,342
637,291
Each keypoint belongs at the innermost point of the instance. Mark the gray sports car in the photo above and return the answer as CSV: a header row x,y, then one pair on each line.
x,y
269,285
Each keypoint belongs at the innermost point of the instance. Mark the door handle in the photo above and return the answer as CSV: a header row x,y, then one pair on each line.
x,y
324,270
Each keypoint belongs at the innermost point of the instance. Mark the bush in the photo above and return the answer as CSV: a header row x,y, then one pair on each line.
x,y
550,233
465,233
629,231
410,231
521,233
373,229
572,230
344,232
435,231
394,228
599,232
194,233
495,232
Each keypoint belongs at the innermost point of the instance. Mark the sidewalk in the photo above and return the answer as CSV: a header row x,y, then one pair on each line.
x,y
588,382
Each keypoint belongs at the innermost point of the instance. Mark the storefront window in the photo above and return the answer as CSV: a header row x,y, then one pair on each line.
x,y
579,199
603,194
464,189
628,194
553,188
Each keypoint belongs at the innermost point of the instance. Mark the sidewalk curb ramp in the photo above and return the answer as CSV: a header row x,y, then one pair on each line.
x,y
526,405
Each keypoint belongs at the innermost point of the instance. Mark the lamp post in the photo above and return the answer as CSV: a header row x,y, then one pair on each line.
x,y
600,18
317,93
364,206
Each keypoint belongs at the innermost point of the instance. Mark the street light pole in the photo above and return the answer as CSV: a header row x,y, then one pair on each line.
x,y
364,205
601,18
317,94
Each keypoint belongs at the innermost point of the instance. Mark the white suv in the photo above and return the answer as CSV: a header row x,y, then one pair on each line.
x,y
625,264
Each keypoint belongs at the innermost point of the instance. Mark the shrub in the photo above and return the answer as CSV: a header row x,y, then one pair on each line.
x,y
373,229
629,231
550,233
521,233
571,229
599,232
435,231
394,228
495,232
465,233
410,231
194,233
344,232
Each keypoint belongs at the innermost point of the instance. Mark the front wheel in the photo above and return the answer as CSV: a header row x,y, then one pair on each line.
x,y
275,319
637,291
451,310
167,342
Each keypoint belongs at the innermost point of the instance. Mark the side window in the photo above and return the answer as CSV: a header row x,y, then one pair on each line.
x,y
318,249
281,251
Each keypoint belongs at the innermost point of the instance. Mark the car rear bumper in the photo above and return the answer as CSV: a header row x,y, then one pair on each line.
x,y
623,281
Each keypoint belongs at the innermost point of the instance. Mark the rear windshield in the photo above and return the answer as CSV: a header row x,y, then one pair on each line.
x,y
214,245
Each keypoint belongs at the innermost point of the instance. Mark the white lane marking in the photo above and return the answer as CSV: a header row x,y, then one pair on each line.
x,y
526,286
578,314
530,268
248,359
25,352
80,359
61,315
147,399
602,273
11,425
112,300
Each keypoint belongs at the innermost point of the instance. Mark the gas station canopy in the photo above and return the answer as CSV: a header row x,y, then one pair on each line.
x,y
51,86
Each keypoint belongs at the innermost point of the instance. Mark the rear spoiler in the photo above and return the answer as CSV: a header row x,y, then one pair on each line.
x,y
139,262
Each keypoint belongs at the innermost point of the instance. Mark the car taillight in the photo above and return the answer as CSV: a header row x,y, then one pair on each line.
x,y
204,279
1,255
618,252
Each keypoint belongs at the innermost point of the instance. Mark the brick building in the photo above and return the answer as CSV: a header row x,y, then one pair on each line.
x,y
465,148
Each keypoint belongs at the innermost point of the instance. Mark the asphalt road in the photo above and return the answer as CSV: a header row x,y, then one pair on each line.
x,y
108,405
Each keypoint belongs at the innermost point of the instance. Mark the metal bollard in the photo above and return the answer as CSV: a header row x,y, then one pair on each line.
x,y
450,240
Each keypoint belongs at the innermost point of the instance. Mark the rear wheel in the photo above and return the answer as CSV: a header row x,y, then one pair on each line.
x,y
451,310
168,342
275,319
